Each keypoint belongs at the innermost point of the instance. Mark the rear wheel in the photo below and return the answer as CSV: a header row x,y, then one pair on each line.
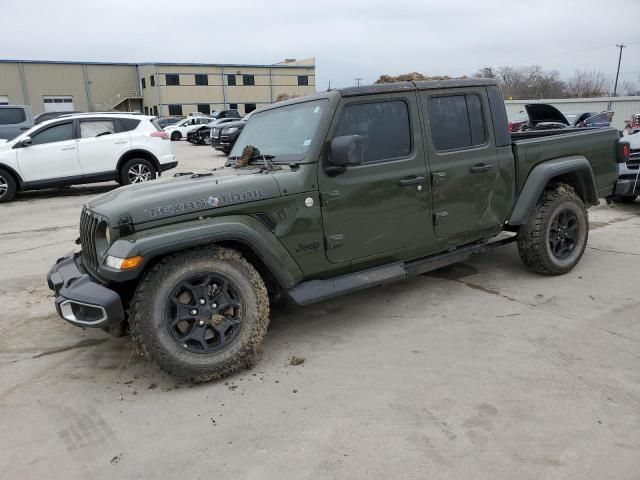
x,y
627,199
137,170
175,136
201,314
7,186
555,236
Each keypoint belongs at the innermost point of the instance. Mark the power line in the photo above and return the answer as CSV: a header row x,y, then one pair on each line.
x,y
358,80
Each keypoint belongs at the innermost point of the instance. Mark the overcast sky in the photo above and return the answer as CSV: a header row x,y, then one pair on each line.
x,y
349,39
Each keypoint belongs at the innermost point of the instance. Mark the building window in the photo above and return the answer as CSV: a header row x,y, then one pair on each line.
x,y
233,106
231,80
155,110
146,110
152,81
58,103
4,100
249,107
383,126
172,79
175,109
204,108
248,80
143,82
303,80
463,114
202,79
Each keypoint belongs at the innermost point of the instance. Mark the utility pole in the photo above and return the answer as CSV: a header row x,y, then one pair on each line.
x,y
615,87
358,79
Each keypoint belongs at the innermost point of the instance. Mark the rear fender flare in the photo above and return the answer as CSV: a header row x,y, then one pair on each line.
x,y
576,168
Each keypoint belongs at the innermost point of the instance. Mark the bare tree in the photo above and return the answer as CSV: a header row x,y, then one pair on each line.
x,y
587,84
530,82
631,88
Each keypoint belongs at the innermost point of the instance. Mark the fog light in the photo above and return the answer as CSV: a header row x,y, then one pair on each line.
x,y
123,263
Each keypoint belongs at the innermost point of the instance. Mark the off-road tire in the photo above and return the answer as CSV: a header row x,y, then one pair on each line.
x,y
626,199
533,238
175,136
148,307
141,162
8,186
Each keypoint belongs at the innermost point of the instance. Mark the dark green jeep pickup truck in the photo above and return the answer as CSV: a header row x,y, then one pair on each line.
x,y
341,191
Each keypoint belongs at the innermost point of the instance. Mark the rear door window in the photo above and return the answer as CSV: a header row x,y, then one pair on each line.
x,y
12,116
456,121
96,128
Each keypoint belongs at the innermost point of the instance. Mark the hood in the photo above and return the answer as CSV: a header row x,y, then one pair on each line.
x,y
239,123
189,196
542,113
3,141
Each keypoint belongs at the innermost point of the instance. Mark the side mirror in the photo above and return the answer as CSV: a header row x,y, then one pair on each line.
x,y
347,151
25,142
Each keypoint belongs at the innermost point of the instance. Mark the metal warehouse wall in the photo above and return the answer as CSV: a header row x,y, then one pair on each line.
x,y
623,107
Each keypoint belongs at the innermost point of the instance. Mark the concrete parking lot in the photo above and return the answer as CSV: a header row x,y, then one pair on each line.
x,y
482,370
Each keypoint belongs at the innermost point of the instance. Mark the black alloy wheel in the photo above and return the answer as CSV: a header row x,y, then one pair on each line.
x,y
204,313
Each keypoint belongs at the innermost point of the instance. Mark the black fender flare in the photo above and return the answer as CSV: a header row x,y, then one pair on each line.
x,y
242,229
575,167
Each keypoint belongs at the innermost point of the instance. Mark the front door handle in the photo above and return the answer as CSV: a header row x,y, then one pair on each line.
x,y
120,141
72,147
481,168
409,181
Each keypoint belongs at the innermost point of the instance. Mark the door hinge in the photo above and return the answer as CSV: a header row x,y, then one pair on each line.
x,y
438,177
326,197
440,218
334,241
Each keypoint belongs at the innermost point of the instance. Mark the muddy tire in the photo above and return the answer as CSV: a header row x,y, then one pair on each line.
x,y
200,314
8,186
556,233
627,199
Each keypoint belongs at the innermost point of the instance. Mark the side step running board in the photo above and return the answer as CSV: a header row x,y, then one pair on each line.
x,y
318,290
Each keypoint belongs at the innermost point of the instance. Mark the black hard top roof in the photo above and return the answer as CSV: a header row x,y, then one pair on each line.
x,y
418,85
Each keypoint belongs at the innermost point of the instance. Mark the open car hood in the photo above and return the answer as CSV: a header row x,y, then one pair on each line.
x,y
543,113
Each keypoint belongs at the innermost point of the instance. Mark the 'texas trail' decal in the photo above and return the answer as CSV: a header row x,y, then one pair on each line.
x,y
209,202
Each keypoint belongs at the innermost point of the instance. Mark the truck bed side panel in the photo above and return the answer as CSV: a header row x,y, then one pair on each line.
x,y
597,146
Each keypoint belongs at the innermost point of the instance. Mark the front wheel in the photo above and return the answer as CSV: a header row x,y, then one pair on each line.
x,y
7,186
200,314
555,235
175,136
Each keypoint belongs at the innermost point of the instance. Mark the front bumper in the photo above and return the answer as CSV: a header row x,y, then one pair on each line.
x,y
79,299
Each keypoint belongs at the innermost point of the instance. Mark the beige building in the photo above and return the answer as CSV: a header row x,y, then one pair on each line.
x,y
153,88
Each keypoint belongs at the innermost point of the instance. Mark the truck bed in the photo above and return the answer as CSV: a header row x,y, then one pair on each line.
x,y
597,145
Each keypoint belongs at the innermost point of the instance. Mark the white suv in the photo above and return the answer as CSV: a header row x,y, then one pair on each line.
x,y
84,148
181,129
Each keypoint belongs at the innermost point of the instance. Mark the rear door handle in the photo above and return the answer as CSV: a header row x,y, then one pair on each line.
x,y
120,141
409,181
68,148
481,168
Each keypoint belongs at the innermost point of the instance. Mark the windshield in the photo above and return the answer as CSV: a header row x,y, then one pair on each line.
x,y
286,133
571,117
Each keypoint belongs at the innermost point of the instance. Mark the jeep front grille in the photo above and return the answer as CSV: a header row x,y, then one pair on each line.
x,y
89,222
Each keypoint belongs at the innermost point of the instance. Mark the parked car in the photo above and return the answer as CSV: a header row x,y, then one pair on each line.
x,y
202,135
166,121
84,148
226,114
51,115
180,130
346,200
14,120
223,138
628,185
542,116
